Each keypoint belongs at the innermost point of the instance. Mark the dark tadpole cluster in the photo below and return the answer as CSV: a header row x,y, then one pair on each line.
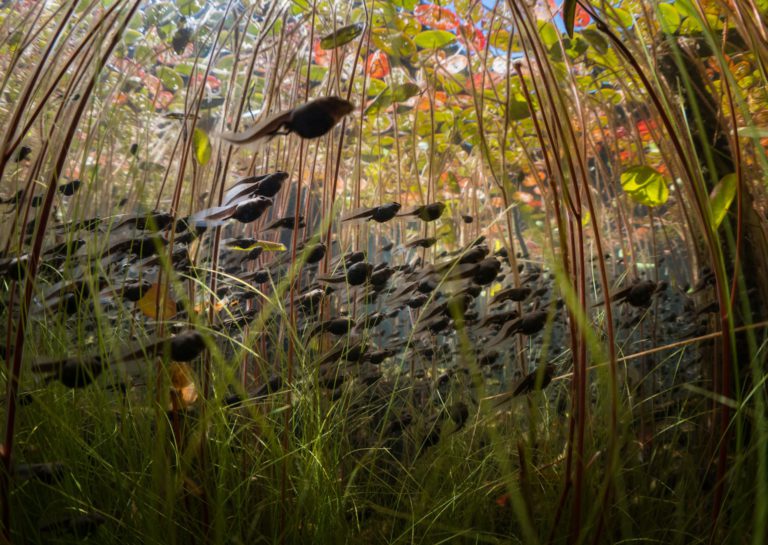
x,y
404,330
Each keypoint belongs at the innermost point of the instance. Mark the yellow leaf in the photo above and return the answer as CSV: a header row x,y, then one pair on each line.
x,y
645,185
151,302
495,288
183,389
202,146
218,306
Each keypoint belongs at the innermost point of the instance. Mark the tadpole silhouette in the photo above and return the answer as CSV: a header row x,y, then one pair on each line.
x,y
311,120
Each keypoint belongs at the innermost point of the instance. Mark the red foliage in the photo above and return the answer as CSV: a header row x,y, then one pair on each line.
x,y
644,128
377,65
320,55
474,35
581,18
211,82
436,17
440,99
163,100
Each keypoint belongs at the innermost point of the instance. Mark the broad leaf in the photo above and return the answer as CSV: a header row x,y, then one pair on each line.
x,y
404,91
669,18
434,39
189,7
183,389
381,101
549,35
151,306
595,39
518,109
170,79
202,147
342,36
721,198
130,36
645,185
395,44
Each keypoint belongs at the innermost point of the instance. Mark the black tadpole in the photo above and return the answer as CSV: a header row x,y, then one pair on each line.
x,y
311,120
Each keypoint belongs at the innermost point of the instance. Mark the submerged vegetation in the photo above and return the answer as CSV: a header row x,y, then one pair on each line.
x,y
384,271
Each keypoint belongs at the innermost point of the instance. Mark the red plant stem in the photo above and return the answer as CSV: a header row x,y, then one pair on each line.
x,y
739,188
65,69
718,265
577,247
564,256
613,378
26,95
31,273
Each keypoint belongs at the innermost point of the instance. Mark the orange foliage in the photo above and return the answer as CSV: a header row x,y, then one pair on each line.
x,y
377,65
320,55
436,17
474,35
440,99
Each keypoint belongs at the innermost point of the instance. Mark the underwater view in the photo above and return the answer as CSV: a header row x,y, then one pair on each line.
x,y
384,272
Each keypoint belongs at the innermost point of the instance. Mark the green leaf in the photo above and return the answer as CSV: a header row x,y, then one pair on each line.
x,y
316,72
407,24
403,92
342,36
300,6
202,147
189,7
247,246
548,34
499,39
160,14
608,96
595,39
131,36
169,78
143,53
185,68
669,18
381,101
446,233
394,44
518,109
405,4
608,59
622,16
452,85
225,63
689,18
569,16
721,198
376,86
645,185
577,46
434,39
